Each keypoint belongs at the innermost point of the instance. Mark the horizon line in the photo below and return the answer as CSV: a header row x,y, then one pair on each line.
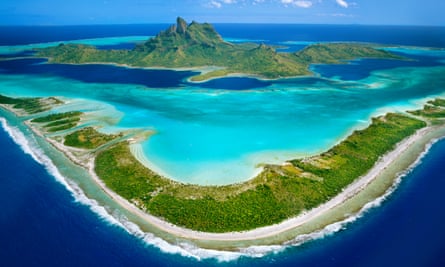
x,y
252,23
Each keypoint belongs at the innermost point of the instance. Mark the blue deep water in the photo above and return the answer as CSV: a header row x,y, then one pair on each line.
x,y
96,73
42,224
362,68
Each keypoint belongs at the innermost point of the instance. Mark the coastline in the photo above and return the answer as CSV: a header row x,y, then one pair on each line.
x,y
201,70
60,201
273,230
290,230
260,235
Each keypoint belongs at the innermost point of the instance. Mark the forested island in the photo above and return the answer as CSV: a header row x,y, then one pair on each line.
x,y
197,45
278,193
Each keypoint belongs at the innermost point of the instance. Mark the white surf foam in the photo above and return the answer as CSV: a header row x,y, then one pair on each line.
x,y
190,250
116,218
30,147
19,138
341,225
112,217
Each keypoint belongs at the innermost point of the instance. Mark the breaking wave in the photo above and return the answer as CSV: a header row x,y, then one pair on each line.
x,y
341,225
30,147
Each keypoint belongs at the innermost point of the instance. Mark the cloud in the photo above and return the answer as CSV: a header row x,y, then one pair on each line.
x,y
304,4
342,3
298,3
295,3
215,4
219,3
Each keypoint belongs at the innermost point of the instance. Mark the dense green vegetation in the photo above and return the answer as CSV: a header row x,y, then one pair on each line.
x,y
434,109
88,138
57,116
439,102
199,45
59,121
279,192
276,194
30,105
7,100
62,127
334,53
51,123
359,152
123,173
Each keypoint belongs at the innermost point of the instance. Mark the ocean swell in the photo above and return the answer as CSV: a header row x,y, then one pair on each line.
x,y
104,213
341,225
115,217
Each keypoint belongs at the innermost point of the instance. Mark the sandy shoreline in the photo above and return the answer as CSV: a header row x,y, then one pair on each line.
x,y
270,231
259,233
86,160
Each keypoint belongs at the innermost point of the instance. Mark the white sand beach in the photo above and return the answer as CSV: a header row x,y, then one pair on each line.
x,y
259,233
86,160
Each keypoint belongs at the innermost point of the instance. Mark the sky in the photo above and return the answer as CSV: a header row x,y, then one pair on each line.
x,y
77,12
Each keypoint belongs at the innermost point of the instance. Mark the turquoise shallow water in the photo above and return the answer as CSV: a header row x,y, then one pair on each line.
x,y
220,136
64,227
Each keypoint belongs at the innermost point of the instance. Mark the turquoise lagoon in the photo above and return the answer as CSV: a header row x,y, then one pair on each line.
x,y
215,136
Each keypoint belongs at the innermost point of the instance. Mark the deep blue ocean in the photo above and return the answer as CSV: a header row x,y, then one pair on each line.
x,y
41,224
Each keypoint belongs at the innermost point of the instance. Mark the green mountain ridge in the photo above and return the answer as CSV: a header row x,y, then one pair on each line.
x,y
182,36
198,45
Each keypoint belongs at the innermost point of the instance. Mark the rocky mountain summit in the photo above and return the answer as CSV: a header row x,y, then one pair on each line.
x,y
198,45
